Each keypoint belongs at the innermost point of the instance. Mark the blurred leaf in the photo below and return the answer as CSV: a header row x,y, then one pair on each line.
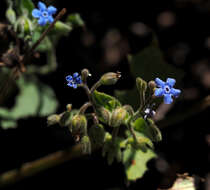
x,y
104,100
34,99
25,7
11,15
148,128
149,64
135,162
45,45
7,124
75,20
130,97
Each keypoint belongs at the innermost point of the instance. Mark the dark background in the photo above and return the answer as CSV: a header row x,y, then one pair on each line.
x,y
182,28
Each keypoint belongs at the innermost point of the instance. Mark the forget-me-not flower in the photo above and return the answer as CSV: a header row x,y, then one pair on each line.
x,y
44,14
74,80
166,89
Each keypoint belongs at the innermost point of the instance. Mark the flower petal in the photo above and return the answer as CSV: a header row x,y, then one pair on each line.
x,y
75,75
168,99
159,82
42,6
51,10
74,86
70,84
69,78
175,92
78,80
36,13
170,82
42,21
50,19
159,92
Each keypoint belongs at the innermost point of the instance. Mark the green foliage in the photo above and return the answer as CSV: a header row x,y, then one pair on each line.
x,y
112,149
97,135
135,162
104,100
34,99
148,128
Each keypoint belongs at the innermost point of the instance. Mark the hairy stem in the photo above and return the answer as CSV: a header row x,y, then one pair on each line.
x,y
95,86
84,107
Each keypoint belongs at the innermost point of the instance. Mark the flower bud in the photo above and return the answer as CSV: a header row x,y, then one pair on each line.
x,y
152,85
104,114
68,107
86,145
85,74
53,119
129,109
78,125
118,117
110,78
141,84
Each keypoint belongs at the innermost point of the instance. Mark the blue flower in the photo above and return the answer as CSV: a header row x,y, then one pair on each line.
x,y
44,14
74,80
166,89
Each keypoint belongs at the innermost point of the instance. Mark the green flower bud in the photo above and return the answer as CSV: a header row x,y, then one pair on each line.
x,y
104,114
118,117
68,107
86,145
141,84
78,126
53,119
85,74
110,78
129,109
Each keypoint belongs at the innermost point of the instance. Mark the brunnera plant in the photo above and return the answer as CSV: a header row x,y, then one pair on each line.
x,y
133,131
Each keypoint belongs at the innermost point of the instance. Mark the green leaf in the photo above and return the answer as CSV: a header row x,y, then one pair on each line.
x,y
112,148
149,64
104,100
97,135
135,162
34,99
149,129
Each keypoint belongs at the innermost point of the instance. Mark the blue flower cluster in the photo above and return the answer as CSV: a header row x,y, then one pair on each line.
x,y
44,14
74,80
166,89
